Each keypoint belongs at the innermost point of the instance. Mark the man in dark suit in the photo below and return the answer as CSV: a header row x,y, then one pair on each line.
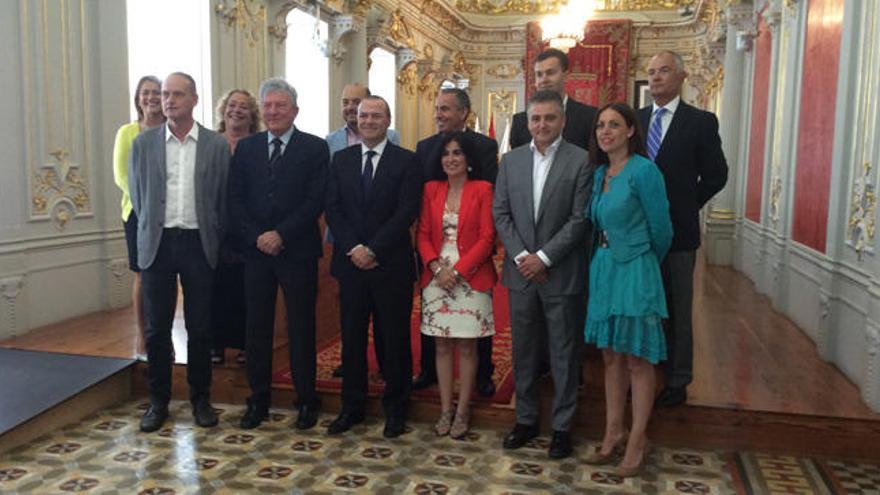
x,y
276,191
539,214
373,195
177,182
551,71
684,142
450,113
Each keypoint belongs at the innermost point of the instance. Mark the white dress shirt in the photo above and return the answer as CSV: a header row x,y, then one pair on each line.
x,y
541,163
670,107
379,149
180,188
285,138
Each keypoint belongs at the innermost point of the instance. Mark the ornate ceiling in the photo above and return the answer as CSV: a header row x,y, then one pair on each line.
x,y
501,13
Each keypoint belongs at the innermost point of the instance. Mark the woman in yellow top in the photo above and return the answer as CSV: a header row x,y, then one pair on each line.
x,y
148,103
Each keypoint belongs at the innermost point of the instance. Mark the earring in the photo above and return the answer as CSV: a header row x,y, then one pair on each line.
x,y
470,169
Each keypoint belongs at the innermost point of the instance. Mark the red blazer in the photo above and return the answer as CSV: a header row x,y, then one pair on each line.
x,y
476,232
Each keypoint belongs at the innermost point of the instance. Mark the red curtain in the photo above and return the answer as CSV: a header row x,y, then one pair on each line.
x,y
599,63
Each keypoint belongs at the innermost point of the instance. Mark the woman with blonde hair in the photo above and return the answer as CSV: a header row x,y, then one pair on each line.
x,y
239,117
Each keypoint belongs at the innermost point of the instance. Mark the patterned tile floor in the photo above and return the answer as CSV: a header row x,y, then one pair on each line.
x,y
105,453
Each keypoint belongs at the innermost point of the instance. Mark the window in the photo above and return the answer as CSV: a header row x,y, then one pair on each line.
x,y
308,70
152,50
383,77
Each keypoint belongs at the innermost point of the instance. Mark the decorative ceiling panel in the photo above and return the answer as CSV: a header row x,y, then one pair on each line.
x,y
520,7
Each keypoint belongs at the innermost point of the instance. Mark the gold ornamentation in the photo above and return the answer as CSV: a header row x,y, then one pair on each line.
x,y
251,22
58,185
407,79
428,52
361,7
399,31
861,226
504,71
619,5
502,102
491,7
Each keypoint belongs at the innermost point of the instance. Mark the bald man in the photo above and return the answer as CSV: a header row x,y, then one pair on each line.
x,y
348,135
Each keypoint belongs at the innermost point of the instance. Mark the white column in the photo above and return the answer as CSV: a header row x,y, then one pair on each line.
x,y
722,217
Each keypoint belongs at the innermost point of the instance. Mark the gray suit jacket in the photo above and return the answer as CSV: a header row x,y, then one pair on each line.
x,y
146,183
338,140
561,228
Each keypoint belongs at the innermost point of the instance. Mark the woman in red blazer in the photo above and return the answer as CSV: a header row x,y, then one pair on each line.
x,y
456,237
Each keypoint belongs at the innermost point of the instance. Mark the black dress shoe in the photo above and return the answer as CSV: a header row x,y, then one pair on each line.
x,y
308,416
254,416
520,435
394,427
560,445
424,380
344,422
153,419
337,373
671,397
485,387
204,414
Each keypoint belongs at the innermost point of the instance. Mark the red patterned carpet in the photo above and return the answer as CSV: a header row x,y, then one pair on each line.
x,y
329,357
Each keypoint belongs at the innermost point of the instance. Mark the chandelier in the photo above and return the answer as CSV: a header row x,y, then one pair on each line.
x,y
564,29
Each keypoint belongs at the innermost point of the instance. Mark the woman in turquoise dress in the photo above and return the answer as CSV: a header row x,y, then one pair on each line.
x,y
630,214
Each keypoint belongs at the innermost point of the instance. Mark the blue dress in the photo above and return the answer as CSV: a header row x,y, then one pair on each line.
x,y
627,300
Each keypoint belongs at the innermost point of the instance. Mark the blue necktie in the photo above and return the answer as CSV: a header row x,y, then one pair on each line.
x,y
655,133
367,175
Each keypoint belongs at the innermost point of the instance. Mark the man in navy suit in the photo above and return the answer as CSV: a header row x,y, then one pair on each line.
x,y
450,113
684,142
551,71
277,186
373,196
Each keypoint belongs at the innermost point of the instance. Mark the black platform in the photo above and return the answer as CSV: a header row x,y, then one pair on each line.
x,y
33,382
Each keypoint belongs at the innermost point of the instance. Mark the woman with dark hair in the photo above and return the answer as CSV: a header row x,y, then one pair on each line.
x,y
239,116
456,236
148,103
630,215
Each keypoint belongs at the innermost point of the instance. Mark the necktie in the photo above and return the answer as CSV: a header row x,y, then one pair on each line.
x,y
655,133
276,151
367,175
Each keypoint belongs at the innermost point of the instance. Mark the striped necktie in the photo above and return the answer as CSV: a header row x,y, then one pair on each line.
x,y
655,133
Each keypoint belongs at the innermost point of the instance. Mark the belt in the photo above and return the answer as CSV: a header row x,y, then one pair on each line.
x,y
603,239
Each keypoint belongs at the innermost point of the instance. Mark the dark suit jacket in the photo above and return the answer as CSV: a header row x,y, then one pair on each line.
x,y
381,221
578,125
485,147
475,232
290,203
693,166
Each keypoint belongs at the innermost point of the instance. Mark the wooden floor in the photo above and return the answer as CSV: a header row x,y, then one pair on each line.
x,y
747,356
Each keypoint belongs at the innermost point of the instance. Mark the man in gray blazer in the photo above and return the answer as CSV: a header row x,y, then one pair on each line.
x,y
540,195
177,181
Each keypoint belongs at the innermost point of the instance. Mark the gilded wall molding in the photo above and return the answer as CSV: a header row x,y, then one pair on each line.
x,y
57,146
399,31
245,15
504,71
493,7
408,78
861,226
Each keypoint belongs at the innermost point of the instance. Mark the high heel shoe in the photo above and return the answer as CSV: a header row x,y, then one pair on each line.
x,y
597,458
629,472
460,426
443,425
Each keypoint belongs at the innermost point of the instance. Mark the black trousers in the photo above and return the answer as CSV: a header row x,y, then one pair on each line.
x,y
229,310
299,284
388,300
180,254
485,367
